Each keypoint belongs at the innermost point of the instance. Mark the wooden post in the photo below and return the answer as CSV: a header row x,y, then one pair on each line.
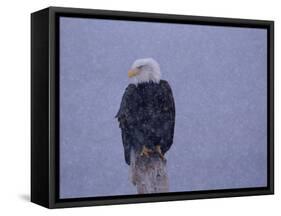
x,y
149,174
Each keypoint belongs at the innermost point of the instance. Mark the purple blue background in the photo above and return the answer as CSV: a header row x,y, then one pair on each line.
x,y
218,77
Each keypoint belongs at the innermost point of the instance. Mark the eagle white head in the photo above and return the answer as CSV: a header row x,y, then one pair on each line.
x,y
145,70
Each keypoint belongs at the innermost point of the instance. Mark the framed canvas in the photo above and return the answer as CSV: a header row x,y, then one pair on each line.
x,y
138,107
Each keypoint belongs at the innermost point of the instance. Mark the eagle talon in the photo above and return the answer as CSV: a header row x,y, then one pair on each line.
x,y
159,152
145,151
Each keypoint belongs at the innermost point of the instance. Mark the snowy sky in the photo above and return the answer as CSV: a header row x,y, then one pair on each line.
x,y
218,77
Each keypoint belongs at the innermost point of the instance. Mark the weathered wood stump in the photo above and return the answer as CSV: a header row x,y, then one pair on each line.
x,y
149,174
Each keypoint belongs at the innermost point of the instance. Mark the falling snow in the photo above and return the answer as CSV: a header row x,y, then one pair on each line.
x,y
218,77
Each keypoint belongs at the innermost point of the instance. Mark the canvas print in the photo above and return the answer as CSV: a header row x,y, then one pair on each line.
x,y
153,107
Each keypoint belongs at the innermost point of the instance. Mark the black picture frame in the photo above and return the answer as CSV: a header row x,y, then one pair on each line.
x,y
45,104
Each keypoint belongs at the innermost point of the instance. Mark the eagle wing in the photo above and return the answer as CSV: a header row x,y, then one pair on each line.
x,y
166,118
126,117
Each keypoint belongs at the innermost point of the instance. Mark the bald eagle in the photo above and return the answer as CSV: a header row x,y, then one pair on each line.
x,y
147,112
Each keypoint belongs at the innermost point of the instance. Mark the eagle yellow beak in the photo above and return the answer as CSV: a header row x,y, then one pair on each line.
x,y
133,72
